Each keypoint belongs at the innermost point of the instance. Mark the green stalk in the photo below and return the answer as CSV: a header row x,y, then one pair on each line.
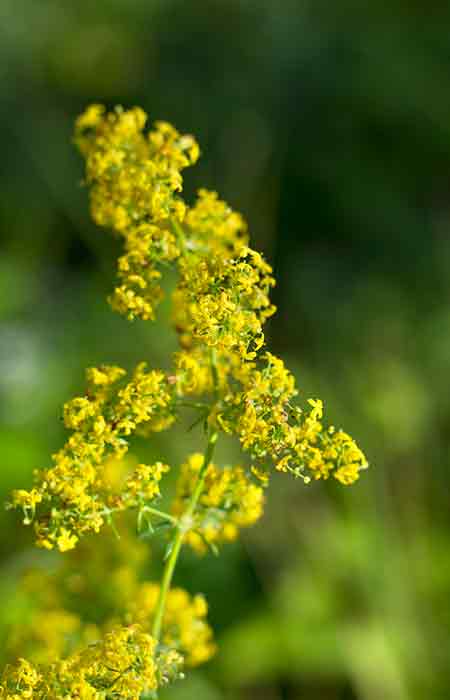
x,y
184,525
161,514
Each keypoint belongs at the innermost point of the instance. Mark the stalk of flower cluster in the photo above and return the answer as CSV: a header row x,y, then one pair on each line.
x,y
184,525
185,522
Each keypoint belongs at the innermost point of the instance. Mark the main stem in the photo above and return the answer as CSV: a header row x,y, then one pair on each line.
x,y
184,525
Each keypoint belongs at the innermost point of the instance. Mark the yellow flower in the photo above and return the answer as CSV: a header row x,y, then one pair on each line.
x,y
230,501
66,540
184,628
90,118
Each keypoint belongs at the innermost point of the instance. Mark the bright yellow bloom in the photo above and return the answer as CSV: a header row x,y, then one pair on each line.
x,y
184,629
143,485
230,501
135,180
220,305
65,540
122,664
101,422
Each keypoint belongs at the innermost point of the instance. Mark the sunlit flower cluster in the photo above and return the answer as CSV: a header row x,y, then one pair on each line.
x,y
224,302
214,228
184,622
230,501
125,638
135,179
60,619
77,497
121,665
272,427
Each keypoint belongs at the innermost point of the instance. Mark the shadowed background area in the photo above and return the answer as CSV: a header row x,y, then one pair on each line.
x,y
328,126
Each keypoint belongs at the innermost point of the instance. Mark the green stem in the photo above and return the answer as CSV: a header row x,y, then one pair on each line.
x,y
184,525
161,514
192,404
214,371
178,231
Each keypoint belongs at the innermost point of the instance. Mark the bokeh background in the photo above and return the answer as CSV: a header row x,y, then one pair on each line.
x,y
328,125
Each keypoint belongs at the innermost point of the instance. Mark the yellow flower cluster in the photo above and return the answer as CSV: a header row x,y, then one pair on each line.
x,y
142,486
134,179
214,228
59,619
221,302
140,292
192,372
121,665
184,625
229,502
77,497
19,681
222,297
272,428
224,302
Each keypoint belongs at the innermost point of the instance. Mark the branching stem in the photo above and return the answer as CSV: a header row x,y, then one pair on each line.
x,y
184,524
161,514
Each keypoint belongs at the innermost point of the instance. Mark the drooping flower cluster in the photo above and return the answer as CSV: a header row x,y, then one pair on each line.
x,y
222,370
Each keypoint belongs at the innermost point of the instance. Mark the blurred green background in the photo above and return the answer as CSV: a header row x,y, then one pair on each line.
x,y
328,126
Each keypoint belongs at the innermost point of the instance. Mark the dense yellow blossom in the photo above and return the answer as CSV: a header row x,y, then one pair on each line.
x,y
214,228
20,681
142,486
134,179
224,302
94,641
122,664
74,489
184,622
139,291
229,502
67,608
60,620
221,301
261,410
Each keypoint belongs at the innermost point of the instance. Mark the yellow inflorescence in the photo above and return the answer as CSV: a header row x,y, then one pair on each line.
x,y
143,485
215,227
74,488
184,626
220,305
261,411
135,179
61,622
222,369
230,501
122,664
224,302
